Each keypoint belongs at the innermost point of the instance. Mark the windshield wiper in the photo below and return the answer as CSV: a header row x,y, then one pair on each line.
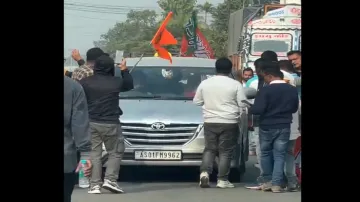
x,y
139,96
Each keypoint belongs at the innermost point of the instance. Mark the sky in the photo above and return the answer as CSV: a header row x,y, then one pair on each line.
x,y
82,27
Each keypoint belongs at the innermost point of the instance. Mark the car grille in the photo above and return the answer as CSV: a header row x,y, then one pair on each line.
x,y
172,134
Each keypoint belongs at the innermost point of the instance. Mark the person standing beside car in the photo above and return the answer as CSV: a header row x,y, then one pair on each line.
x,y
221,99
102,91
76,134
275,104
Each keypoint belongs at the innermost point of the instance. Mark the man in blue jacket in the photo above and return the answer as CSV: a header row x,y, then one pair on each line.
x,y
275,105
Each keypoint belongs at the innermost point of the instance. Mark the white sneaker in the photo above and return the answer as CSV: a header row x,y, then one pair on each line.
x,y
204,180
112,186
224,184
94,190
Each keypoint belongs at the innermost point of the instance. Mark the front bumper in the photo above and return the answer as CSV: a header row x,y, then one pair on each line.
x,y
191,155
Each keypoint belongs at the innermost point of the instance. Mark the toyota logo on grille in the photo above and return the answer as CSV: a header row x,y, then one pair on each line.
x,y
158,126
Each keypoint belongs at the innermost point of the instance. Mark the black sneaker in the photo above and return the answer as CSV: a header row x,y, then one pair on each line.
x,y
292,188
112,186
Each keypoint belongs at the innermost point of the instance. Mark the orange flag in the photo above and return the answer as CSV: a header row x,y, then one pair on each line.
x,y
163,37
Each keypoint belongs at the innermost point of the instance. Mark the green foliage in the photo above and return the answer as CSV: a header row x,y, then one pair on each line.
x,y
134,35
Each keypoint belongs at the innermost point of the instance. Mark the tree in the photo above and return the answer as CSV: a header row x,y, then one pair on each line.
x,y
206,8
178,7
221,14
133,35
182,10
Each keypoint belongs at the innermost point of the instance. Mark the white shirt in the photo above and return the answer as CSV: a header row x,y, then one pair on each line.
x,y
220,98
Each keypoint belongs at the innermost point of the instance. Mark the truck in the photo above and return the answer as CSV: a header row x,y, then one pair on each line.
x,y
274,27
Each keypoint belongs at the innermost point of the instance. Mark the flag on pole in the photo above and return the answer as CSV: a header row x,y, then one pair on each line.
x,y
163,37
194,43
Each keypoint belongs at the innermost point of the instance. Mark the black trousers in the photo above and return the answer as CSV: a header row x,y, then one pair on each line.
x,y
69,183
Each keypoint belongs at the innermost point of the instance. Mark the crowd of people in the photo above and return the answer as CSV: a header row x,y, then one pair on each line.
x,y
291,72
274,114
91,118
91,115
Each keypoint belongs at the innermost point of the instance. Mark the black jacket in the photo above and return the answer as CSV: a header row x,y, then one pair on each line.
x,y
102,91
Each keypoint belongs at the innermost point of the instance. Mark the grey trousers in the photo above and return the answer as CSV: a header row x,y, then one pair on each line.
x,y
221,139
111,136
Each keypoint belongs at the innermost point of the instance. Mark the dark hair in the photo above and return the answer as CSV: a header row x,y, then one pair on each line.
x,y
248,69
273,69
270,56
294,52
258,62
223,66
287,66
93,53
105,64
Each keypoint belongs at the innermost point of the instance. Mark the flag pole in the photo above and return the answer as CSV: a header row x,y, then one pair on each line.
x,y
142,55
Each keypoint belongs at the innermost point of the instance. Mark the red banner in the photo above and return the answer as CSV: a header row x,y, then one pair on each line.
x,y
203,48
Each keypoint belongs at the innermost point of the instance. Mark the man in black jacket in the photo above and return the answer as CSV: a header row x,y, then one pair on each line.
x,y
102,91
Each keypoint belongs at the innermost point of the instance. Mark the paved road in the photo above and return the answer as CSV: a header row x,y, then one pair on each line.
x,y
180,185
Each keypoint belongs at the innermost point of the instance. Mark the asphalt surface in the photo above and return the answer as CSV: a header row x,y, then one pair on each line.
x,y
180,185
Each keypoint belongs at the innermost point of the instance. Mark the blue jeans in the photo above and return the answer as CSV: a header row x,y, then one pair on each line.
x,y
273,146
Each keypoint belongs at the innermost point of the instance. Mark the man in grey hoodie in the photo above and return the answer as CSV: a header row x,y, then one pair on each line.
x,y
76,134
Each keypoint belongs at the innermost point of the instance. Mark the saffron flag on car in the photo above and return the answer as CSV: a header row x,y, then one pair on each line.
x,y
162,38
194,43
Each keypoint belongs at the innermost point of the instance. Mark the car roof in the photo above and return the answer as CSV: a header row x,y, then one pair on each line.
x,y
176,62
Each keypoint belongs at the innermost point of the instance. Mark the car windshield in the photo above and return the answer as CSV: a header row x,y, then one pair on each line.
x,y
173,83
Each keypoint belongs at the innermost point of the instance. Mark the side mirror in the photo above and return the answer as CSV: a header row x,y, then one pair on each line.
x,y
250,93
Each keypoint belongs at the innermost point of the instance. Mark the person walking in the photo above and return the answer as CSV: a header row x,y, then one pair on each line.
x,y
76,134
220,97
275,105
85,68
102,91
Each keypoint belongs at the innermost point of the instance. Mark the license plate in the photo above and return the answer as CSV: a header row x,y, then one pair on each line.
x,y
158,155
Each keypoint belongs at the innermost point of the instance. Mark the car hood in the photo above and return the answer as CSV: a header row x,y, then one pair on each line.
x,y
165,111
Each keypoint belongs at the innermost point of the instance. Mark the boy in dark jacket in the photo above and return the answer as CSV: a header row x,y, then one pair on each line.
x,y
102,92
275,104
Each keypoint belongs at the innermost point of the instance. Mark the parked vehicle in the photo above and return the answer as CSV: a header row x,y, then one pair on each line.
x,y
161,124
